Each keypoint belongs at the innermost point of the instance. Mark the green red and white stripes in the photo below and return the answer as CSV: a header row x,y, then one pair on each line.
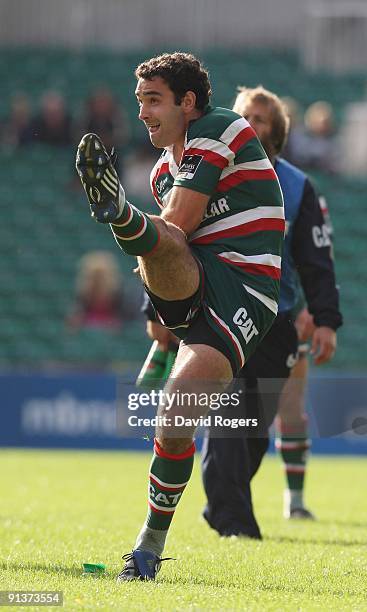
x,y
236,174
225,329
238,134
292,445
160,173
168,477
266,264
164,496
294,452
213,152
134,232
244,223
257,219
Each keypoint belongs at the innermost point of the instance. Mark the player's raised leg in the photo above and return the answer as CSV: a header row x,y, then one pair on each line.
x,y
166,263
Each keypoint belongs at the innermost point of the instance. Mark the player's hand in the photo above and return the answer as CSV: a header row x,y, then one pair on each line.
x,y
304,325
323,345
157,331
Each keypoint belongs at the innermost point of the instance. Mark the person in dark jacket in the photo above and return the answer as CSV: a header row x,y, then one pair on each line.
x,y
229,463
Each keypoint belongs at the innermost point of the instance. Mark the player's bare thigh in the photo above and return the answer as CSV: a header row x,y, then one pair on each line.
x,y
199,370
170,272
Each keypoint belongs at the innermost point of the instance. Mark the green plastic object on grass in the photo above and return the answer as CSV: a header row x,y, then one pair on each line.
x,y
94,568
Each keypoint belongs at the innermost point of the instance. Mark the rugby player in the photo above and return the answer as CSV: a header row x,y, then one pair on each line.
x,y
210,262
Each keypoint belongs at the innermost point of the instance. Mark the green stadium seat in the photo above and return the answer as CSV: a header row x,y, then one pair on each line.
x,y
45,229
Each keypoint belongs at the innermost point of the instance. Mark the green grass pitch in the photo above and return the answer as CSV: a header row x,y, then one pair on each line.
x,y
62,508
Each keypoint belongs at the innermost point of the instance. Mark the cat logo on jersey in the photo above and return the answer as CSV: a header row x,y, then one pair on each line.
x,y
189,165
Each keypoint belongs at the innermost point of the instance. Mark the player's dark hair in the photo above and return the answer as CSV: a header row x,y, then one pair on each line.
x,y
280,117
182,72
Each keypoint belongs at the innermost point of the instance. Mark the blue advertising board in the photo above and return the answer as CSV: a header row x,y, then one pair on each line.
x,y
91,410
61,410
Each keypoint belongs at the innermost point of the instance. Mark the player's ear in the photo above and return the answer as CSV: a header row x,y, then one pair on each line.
x,y
188,102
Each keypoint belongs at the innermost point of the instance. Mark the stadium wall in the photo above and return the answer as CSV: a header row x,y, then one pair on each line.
x,y
131,24
75,410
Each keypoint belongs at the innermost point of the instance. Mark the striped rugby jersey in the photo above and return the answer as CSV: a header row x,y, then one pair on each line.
x,y
244,221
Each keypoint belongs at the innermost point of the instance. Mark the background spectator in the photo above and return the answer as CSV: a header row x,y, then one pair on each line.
x,y
321,152
312,145
138,166
16,130
105,117
99,299
296,142
53,124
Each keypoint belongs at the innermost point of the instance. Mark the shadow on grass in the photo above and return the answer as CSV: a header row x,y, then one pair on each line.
x,y
345,523
72,572
202,582
318,541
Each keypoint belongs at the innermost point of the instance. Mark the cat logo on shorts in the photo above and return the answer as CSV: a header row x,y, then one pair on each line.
x,y
245,324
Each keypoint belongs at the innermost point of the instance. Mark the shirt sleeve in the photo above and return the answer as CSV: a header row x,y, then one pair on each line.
x,y
202,163
311,250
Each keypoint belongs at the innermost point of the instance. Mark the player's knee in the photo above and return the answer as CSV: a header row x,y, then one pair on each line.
x,y
160,224
170,234
156,219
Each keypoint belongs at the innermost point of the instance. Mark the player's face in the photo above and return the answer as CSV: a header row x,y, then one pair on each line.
x,y
259,116
164,120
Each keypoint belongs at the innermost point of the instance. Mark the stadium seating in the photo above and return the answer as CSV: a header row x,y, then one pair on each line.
x,y
45,233
45,228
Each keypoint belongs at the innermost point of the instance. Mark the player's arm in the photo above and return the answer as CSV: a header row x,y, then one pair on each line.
x,y
196,181
311,249
304,325
186,208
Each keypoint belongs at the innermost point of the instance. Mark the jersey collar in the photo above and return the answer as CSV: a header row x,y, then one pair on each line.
x,y
207,109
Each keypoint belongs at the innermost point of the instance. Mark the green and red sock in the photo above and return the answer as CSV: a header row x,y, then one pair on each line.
x,y
169,475
293,445
134,231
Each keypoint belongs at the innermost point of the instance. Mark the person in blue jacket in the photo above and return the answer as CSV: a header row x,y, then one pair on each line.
x,y
230,462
